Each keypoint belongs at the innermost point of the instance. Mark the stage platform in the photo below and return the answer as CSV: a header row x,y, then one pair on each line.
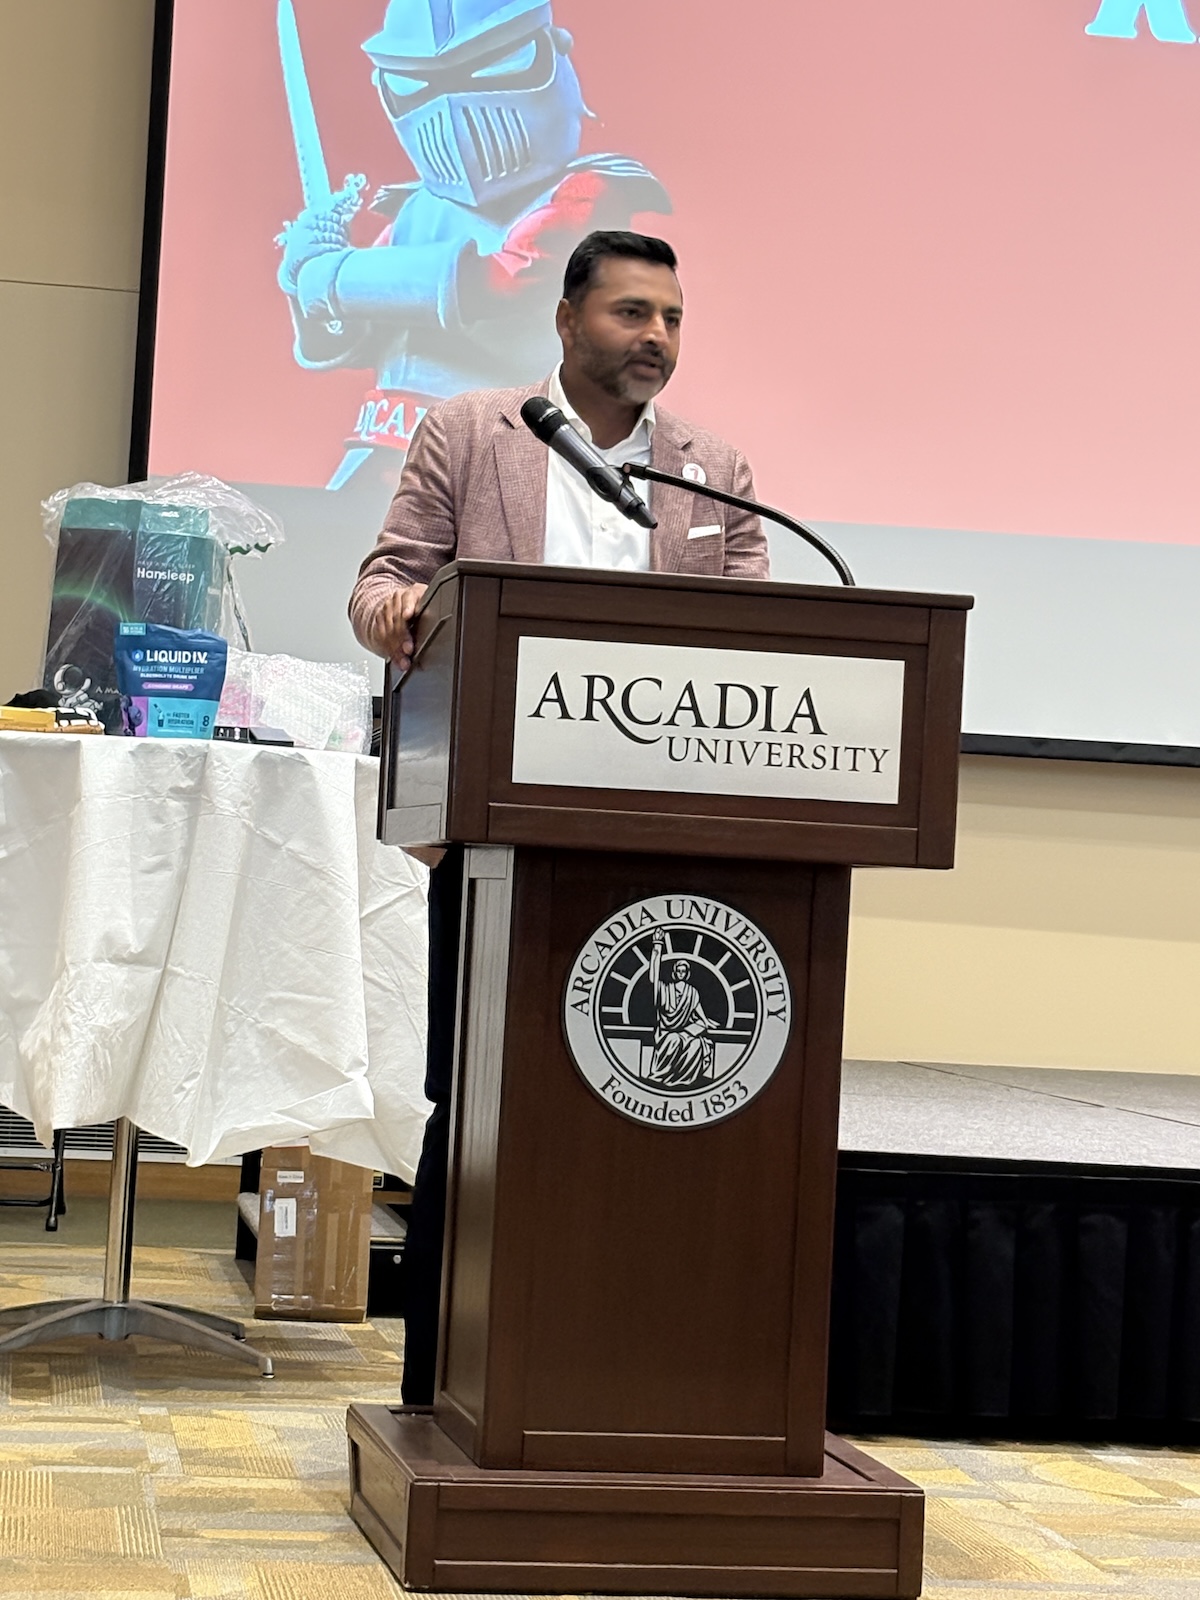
x,y
1017,1254
1122,1119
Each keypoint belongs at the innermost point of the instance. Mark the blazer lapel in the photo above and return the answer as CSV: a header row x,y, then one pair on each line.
x,y
522,462
671,507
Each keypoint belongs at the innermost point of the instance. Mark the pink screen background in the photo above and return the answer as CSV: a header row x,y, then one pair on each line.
x,y
940,260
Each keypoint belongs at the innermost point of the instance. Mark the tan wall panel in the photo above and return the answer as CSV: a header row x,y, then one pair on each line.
x,y
1068,935
65,401
987,996
74,106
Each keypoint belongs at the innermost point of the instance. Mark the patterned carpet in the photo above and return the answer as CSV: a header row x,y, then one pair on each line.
x,y
138,1470
1044,1522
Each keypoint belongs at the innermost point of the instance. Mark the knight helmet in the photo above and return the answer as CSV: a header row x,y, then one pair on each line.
x,y
482,94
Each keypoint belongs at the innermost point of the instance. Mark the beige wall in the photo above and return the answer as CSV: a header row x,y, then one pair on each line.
x,y
74,98
1069,935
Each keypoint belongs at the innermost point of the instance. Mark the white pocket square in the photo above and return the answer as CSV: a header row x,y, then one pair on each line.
x,y
704,533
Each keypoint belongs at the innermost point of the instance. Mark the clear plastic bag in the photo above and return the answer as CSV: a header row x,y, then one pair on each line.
x,y
241,527
159,552
321,705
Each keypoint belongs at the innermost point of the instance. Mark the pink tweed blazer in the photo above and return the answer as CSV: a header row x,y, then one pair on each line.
x,y
474,485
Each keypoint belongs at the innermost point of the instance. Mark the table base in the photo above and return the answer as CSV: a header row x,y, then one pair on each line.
x,y
115,1315
119,1319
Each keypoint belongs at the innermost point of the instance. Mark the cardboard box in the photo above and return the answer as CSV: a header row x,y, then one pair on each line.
x,y
314,1237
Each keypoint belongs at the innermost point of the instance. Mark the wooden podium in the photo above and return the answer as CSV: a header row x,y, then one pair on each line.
x,y
662,782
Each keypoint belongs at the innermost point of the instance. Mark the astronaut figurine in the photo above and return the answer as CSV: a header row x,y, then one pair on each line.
x,y
458,290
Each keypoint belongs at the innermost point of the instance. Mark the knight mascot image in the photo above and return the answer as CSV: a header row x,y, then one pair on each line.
x,y
457,290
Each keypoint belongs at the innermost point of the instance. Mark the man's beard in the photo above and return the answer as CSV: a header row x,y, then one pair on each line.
x,y
611,373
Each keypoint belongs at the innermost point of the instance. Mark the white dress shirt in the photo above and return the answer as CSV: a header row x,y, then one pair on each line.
x,y
581,529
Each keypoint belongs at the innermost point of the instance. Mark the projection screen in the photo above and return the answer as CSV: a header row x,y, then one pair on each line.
x,y
940,267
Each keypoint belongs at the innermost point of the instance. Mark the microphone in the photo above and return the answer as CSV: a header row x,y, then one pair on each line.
x,y
550,425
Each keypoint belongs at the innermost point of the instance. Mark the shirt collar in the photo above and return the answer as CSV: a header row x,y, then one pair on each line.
x,y
557,396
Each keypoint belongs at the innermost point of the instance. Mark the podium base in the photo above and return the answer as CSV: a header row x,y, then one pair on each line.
x,y
441,1522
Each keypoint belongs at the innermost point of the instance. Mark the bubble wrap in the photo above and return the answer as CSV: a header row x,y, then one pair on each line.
x,y
321,705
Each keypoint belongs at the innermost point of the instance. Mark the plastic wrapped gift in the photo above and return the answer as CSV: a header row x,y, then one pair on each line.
x,y
320,705
155,552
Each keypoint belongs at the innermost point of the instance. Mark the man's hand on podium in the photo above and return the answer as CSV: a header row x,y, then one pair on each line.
x,y
391,634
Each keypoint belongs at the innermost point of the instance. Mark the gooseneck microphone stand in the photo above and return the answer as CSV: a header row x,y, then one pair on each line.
x,y
634,469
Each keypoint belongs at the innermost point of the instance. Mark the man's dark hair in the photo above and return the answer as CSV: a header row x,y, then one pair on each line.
x,y
581,268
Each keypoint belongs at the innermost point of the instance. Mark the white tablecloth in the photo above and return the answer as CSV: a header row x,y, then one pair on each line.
x,y
207,939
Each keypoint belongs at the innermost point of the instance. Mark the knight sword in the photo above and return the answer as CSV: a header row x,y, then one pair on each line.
x,y
310,158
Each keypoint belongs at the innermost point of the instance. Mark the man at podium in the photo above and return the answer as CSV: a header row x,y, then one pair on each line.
x,y
477,483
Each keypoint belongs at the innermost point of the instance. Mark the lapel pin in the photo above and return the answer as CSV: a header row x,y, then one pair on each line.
x,y
694,473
